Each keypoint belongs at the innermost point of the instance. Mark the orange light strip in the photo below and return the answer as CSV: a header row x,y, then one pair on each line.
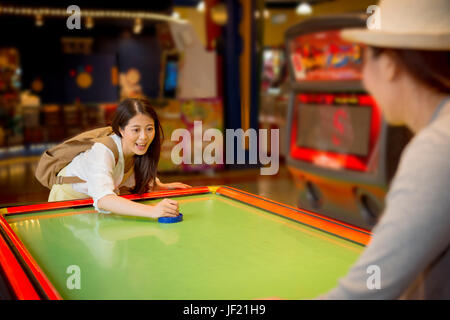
x,y
168,193
311,219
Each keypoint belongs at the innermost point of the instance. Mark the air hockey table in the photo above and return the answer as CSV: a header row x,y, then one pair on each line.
x,y
230,245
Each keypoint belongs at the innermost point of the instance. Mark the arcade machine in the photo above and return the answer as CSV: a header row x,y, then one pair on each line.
x,y
341,152
273,96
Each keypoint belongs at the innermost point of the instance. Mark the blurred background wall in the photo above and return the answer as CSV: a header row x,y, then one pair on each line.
x,y
56,82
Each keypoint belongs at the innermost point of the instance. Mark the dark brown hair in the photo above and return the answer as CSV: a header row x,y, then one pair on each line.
x,y
146,165
431,68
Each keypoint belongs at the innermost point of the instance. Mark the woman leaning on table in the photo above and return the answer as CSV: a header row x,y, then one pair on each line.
x,y
138,137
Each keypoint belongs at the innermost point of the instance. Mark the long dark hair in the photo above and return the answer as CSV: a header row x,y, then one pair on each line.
x,y
431,68
146,165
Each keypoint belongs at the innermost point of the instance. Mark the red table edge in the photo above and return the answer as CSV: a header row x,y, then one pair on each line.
x,y
16,278
16,275
87,202
335,227
317,221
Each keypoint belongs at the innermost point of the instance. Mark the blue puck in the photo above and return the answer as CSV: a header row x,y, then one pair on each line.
x,y
171,219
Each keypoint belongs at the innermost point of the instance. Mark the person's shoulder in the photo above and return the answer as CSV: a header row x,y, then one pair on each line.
x,y
116,138
434,139
440,128
100,151
118,141
423,176
426,156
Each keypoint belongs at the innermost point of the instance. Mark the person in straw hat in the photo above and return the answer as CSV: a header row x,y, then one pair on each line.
x,y
407,70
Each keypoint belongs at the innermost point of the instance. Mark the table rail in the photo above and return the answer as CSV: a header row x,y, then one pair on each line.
x,y
315,220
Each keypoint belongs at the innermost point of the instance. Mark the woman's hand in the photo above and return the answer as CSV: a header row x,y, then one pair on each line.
x,y
176,185
170,186
166,208
126,207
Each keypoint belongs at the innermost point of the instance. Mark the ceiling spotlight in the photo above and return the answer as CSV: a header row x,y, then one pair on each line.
x,y
201,6
175,15
89,23
137,28
304,8
39,20
266,13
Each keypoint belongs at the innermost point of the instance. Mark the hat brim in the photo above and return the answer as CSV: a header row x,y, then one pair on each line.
x,y
378,38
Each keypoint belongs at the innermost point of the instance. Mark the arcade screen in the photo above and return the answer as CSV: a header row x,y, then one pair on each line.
x,y
340,129
325,56
171,77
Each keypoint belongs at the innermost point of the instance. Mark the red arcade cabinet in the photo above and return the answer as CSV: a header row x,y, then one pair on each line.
x,y
341,152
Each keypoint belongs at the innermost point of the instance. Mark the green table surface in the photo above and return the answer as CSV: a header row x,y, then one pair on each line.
x,y
223,249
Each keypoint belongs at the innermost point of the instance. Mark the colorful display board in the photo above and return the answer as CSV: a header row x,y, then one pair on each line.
x,y
181,114
274,62
325,56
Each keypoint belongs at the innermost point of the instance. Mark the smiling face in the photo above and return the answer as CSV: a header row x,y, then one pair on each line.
x,y
137,135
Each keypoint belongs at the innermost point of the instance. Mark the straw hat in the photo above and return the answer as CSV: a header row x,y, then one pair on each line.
x,y
407,24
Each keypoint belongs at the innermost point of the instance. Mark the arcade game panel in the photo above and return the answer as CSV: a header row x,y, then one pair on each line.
x,y
341,152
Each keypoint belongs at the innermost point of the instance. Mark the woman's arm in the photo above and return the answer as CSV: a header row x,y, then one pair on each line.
x,y
122,206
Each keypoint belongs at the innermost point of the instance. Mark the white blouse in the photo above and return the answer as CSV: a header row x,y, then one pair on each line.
x,y
97,167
